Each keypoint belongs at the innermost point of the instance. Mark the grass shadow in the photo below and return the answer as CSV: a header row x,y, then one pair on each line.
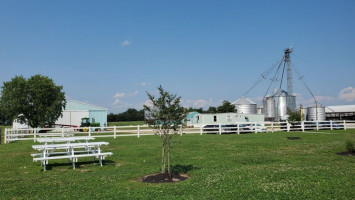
x,y
79,165
182,169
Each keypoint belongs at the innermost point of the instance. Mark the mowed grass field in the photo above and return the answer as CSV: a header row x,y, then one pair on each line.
x,y
128,123
246,166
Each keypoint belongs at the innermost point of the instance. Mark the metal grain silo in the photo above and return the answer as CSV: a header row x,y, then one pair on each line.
x,y
245,106
316,113
280,97
269,107
260,109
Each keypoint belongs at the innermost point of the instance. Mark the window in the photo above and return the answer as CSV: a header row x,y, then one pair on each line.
x,y
93,120
215,118
229,119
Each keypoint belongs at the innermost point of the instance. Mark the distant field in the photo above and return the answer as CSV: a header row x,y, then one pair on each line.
x,y
245,166
133,123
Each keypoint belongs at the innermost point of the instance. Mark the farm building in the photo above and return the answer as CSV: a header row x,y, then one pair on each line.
x,y
73,113
341,112
222,118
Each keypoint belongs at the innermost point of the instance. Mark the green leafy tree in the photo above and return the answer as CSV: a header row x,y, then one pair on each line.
x,y
211,109
36,101
294,116
226,107
167,116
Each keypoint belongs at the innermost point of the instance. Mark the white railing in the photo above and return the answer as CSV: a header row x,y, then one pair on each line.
x,y
120,131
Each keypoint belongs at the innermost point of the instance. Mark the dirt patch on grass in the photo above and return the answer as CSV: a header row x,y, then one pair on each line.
x,y
118,164
293,138
346,153
164,178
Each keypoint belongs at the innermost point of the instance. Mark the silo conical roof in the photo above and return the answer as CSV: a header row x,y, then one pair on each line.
x,y
243,101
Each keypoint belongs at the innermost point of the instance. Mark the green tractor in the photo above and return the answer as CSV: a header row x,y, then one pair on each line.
x,y
85,124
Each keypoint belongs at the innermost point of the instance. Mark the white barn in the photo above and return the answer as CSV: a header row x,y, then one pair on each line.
x,y
73,113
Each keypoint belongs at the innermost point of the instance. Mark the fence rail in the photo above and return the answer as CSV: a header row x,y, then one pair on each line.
x,y
137,131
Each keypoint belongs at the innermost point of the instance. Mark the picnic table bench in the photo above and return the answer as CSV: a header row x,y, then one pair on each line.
x,y
63,139
69,151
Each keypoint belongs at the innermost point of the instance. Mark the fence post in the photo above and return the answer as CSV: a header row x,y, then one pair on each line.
x,y
331,125
272,127
138,131
62,131
344,125
238,130
302,124
114,132
220,129
89,131
288,126
34,134
5,135
181,130
255,128
317,126
201,129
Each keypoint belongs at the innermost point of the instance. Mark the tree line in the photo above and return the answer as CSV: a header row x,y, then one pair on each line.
x,y
132,114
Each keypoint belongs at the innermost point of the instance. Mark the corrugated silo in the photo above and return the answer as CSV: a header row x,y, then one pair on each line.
x,y
260,109
280,97
245,106
269,107
316,113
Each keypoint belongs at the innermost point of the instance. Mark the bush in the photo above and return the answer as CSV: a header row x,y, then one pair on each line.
x,y
350,145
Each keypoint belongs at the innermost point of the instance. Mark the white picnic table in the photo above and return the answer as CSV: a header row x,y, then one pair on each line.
x,y
71,151
63,139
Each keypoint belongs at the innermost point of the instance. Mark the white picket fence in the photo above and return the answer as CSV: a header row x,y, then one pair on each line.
x,y
137,131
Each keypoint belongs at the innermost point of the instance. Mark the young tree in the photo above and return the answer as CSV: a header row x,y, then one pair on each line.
x,y
167,116
36,101
294,116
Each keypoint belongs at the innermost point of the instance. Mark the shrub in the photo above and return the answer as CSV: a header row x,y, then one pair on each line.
x,y
350,145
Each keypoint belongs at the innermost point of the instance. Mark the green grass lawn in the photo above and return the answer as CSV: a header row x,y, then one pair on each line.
x,y
132,123
246,166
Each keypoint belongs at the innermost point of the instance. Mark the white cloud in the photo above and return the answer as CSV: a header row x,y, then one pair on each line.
x,y
116,101
198,103
142,83
347,94
119,96
126,43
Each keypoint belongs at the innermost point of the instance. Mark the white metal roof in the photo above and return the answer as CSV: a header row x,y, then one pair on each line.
x,y
340,108
243,101
85,104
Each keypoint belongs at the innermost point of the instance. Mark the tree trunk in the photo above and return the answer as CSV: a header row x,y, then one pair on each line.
x,y
169,170
163,159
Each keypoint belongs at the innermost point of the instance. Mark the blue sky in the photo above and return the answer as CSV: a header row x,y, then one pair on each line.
x,y
109,53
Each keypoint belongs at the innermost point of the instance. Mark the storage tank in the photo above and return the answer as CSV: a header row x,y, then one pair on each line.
x,y
269,107
280,97
316,112
260,109
245,106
